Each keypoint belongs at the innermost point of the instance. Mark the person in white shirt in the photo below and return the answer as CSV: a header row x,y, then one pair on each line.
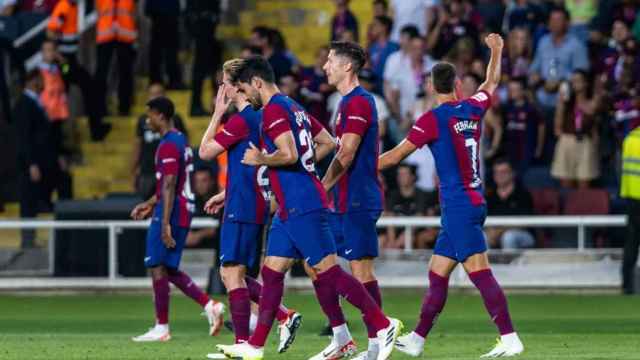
x,y
411,12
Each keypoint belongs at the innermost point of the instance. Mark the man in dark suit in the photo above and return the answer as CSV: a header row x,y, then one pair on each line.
x,y
37,167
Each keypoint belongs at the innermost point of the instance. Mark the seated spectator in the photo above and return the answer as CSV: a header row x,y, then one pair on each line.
x,y
450,28
558,55
380,8
249,50
289,86
517,58
524,128
575,160
204,187
145,145
263,38
343,21
380,48
315,89
508,198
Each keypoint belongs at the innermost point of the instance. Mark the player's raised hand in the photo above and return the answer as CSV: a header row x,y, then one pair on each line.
x,y
494,41
214,204
222,100
167,238
252,156
141,211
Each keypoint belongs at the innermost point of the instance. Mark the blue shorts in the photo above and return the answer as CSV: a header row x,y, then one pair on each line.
x,y
239,243
307,236
356,234
157,253
461,235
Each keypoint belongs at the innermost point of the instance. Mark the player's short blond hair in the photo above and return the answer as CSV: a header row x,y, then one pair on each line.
x,y
232,68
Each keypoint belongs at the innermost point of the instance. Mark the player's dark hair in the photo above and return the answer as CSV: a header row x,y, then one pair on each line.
x,y
352,51
443,76
386,22
256,66
411,31
163,105
412,168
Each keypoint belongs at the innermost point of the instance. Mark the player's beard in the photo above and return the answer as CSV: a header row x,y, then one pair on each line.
x,y
255,101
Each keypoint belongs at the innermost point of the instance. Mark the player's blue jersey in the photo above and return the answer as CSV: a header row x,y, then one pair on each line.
x,y
247,186
359,189
452,131
297,187
175,157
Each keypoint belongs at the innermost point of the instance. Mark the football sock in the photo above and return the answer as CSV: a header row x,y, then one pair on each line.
x,y
330,304
240,307
183,282
494,299
255,288
161,300
374,290
270,299
433,303
353,291
341,334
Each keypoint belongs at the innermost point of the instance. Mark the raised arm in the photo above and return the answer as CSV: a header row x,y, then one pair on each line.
x,y
209,147
494,69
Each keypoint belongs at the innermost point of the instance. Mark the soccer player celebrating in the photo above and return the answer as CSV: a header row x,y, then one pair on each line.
x,y
353,174
171,207
301,228
246,208
452,131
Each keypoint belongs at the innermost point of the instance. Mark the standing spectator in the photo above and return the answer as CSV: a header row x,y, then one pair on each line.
x,y
422,158
262,37
491,13
63,27
575,160
508,198
145,145
630,191
289,86
36,151
581,13
315,88
558,55
418,13
523,126
164,45
517,59
202,18
343,21
204,187
523,14
380,8
380,48
399,59
451,27
116,33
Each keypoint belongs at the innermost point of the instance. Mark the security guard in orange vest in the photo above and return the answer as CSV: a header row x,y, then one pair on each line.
x,y
63,27
116,32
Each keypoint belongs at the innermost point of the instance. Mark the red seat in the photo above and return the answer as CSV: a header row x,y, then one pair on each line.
x,y
587,202
546,201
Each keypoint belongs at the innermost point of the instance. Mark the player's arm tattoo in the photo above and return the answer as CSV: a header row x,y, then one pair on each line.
x,y
343,159
168,196
395,155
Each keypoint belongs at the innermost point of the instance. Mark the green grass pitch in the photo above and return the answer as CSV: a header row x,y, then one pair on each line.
x,y
100,327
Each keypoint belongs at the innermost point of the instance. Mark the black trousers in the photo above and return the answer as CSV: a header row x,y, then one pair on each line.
x,y
632,242
76,74
207,58
164,50
125,55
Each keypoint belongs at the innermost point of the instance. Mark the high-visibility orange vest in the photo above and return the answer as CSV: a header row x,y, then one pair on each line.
x,y
64,22
54,97
116,21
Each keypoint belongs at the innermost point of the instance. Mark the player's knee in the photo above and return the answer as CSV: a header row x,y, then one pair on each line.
x,y
158,272
362,269
232,276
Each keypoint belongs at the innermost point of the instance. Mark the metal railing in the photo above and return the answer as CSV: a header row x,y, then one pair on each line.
x,y
409,224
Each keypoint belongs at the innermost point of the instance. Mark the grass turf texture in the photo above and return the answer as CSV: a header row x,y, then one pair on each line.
x,y
100,327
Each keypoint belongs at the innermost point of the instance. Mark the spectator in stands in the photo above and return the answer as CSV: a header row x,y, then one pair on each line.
x,y
343,21
417,13
405,85
7,7
262,37
517,58
399,59
204,187
289,86
280,46
202,18
451,27
116,34
37,6
558,55
406,200
508,198
630,191
315,89
249,50
581,13
380,8
36,152
524,14
163,49
144,148
575,160
491,14
380,48
63,27
524,128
